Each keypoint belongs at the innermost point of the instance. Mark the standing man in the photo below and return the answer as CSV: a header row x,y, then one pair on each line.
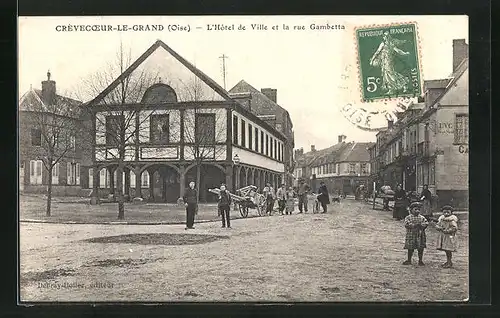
x,y
191,202
324,197
224,206
270,197
281,196
303,189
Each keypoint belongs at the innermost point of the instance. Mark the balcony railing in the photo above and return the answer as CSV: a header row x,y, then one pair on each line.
x,y
423,149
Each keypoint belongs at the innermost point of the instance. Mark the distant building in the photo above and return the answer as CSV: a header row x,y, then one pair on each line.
x,y
342,167
429,142
264,104
33,176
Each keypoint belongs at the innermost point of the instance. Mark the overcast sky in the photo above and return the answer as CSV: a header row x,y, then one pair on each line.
x,y
303,65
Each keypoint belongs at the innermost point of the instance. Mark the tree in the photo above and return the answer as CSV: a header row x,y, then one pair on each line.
x,y
115,116
57,124
202,128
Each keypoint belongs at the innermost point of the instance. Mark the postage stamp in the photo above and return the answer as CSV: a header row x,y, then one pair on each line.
x,y
388,61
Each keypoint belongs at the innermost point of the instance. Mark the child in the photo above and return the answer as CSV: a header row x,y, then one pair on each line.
x,y
415,225
290,201
447,226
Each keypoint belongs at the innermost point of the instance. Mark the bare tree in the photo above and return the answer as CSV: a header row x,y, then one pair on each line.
x,y
57,123
202,128
118,111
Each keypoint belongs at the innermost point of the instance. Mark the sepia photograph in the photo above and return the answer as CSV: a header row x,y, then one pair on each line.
x,y
271,159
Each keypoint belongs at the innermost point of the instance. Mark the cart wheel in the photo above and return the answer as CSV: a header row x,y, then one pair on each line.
x,y
261,208
243,211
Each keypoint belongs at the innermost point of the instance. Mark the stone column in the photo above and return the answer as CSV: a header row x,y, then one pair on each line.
x,y
138,182
111,180
95,186
229,177
151,184
127,184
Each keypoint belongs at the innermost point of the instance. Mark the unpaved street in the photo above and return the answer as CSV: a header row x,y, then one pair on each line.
x,y
353,253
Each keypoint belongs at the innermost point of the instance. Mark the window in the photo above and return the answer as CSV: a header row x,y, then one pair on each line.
x,y
271,145
160,128
462,129
55,174
36,171
364,168
235,129
243,134
352,168
145,179
114,125
261,142
250,139
267,145
36,137
432,173
104,178
337,170
275,149
73,173
256,139
205,129
91,178
72,142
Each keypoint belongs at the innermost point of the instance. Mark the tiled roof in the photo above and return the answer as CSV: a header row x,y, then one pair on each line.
x,y
35,96
357,152
260,104
321,156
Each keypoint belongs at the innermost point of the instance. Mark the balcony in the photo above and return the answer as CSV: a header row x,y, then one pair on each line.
x,y
423,149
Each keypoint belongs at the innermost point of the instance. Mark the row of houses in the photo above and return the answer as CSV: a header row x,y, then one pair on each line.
x,y
180,127
429,142
342,167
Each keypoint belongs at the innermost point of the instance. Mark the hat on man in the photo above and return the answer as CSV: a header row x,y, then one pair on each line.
x,y
447,207
415,204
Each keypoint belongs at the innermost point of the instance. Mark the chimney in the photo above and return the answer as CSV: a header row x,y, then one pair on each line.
x,y
244,99
390,123
313,148
342,138
460,52
270,93
48,91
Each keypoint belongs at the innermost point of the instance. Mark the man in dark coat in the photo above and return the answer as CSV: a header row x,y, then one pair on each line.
x,y
324,197
223,205
191,202
302,193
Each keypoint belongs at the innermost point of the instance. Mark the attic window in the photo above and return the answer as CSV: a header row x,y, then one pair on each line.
x,y
159,93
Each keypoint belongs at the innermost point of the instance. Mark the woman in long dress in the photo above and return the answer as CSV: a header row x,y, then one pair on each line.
x,y
426,197
392,81
290,201
400,203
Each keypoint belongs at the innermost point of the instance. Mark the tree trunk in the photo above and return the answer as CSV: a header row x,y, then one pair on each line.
x,y
49,192
198,178
119,191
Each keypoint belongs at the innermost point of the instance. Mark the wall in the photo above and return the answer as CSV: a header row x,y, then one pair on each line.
x,y
258,160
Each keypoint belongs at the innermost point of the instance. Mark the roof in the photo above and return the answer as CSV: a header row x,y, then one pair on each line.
x,y
260,104
35,96
439,83
321,156
356,153
205,78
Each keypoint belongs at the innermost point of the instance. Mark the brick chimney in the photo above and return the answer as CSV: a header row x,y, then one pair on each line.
x,y
460,52
390,123
48,90
270,93
342,138
313,148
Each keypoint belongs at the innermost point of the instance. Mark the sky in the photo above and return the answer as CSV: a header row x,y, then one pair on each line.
x,y
304,65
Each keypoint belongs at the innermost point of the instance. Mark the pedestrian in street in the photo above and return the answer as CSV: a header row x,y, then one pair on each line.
x,y
224,206
281,197
302,193
290,201
426,198
415,225
447,226
386,190
270,197
400,204
190,199
324,197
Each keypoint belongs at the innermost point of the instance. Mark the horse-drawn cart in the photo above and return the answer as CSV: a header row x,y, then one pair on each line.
x,y
245,199
386,198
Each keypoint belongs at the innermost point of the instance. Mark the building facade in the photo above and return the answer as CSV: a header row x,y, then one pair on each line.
x,y
342,167
177,133
35,117
429,142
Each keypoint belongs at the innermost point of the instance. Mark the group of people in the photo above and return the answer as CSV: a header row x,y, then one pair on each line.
x,y
403,199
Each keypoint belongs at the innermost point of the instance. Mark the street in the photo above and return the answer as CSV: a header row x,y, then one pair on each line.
x,y
352,253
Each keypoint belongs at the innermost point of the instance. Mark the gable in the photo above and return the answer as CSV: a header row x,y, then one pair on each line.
x,y
259,103
458,93
159,64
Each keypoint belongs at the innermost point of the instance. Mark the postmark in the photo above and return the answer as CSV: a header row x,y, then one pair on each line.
x,y
388,61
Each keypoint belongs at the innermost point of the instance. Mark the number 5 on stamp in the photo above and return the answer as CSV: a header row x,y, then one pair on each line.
x,y
388,61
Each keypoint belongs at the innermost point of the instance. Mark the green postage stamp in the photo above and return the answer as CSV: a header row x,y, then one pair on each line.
x,y
388,61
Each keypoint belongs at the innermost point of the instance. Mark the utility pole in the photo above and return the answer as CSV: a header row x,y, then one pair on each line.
x,y
224,57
